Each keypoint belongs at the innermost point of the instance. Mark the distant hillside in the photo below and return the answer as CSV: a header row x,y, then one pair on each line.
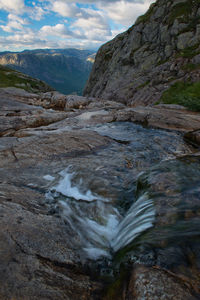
x,y
66,70
11,78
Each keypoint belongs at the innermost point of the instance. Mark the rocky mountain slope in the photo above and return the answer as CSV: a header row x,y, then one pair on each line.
x,y
66,70
161,48
11,78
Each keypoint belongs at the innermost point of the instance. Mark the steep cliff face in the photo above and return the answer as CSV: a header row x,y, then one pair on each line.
x,y
162,47
66,70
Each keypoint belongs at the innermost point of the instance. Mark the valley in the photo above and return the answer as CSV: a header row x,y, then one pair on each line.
x,y
74,67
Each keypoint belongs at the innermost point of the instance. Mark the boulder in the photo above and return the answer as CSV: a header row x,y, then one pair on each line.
x,y
168,285
164,116
193,137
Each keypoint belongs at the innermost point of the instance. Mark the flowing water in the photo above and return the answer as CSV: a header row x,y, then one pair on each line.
x,y
107,199
101,227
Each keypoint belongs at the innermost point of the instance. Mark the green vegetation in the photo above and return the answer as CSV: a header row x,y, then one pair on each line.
x,y
146,17
191,24
120,37
143,85
162,61
186,94
190,67
181,11
189,52
108,55
11,78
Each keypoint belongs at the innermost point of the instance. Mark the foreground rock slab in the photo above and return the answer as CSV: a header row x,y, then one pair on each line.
x,y
41,256
38,259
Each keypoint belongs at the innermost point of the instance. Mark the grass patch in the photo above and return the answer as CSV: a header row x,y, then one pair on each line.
x,y
143,85
182,10
146,17
163,61
188,52
191,24
190,67
186,94
11,78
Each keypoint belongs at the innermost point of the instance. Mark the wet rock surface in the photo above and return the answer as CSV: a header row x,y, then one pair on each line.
x,y
172,245
154,283
42,246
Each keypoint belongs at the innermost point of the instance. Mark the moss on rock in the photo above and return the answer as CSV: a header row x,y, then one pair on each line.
x,y
183,93
145,18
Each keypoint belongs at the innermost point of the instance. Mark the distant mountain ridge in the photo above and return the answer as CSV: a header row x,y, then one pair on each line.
x,y
66,70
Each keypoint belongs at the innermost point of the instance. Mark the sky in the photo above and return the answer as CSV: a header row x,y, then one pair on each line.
x,y
40,24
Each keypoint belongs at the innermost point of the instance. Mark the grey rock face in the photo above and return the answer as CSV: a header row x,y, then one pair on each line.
x,y
138,65
184,40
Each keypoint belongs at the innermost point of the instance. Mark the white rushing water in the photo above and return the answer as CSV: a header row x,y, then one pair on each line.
x,y
98,224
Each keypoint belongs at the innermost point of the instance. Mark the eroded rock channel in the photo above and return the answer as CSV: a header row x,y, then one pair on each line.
x,y
94,208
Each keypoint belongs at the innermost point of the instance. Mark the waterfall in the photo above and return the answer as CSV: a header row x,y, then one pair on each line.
x,y
101,228
138,218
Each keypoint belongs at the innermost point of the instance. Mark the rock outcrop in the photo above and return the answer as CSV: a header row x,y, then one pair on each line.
x,y
161,117
41,252
161,48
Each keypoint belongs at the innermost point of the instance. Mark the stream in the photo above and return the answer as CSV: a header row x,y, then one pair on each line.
x,y
135,196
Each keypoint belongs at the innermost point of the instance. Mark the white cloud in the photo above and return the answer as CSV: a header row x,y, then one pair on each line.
x,y
16,6
11,26
37,13
91,19
123,12
93,25
59,30
13,17
26,40
65,9
14,23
